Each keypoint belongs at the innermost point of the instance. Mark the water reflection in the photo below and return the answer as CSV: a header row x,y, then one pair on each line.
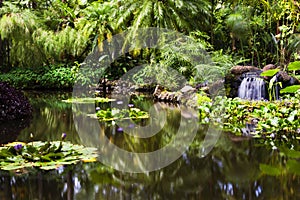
x,y
226,173
51,117
232,170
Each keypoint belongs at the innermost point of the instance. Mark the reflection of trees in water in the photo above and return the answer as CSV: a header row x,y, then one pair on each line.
x,y
230,171
51,117
61,184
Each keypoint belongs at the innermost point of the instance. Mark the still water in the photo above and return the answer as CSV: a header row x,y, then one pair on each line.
x,y
236,168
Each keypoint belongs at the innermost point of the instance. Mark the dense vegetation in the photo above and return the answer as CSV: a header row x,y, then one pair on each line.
x,y
43,43
46,39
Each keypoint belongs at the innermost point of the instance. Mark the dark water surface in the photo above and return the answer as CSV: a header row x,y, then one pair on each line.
x,y
235,168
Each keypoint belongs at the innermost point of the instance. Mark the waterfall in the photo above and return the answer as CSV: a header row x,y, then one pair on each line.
x,y
252,88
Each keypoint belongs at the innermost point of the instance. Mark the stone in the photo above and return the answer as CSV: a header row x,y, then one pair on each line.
x,y
286,79
187,88
268,67
239,70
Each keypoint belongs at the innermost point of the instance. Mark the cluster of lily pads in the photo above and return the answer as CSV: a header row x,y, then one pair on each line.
x,y
89,100
44,155
267,118
111,114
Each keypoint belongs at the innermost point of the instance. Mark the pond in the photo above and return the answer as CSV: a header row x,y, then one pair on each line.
x,y
236,168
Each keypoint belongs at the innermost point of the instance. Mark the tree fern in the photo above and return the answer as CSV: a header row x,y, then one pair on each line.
x,y
173,14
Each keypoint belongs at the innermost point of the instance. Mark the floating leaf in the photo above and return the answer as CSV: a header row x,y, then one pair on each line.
x,y
291,153
89,160
45,155
270,170
88,100
293,166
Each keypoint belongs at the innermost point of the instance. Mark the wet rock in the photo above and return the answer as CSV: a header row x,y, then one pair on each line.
x,y
239,70
268,67
157,91
185,95
286,79
187,88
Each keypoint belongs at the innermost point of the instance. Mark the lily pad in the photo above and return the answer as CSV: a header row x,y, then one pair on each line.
x,y
89,100
44,155
270,170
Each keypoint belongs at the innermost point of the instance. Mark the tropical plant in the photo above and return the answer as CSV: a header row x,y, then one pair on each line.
x,y
279,118
273,83
114,114
183,16
44,155
293,66
35,40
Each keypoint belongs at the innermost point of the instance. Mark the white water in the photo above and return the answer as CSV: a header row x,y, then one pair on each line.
x,y
252,88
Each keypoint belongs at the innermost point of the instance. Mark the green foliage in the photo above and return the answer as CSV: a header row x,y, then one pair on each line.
x,y
44,155
290,89
89,100
294,66
202,98
58,77
164,14
270,72
43,33
113,114
273,84
277,117
36,40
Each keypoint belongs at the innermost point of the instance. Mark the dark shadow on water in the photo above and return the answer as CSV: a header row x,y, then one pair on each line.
x,y
10,130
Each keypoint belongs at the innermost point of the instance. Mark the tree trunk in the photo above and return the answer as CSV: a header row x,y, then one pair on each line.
x,y
4,51
4,55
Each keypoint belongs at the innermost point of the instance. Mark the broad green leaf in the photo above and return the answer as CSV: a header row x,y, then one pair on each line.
x,y
270,170
290,89
294,66
11,167
270,72
291,153
293,166
45,155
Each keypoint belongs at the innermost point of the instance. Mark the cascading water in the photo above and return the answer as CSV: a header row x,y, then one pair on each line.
x,y
252,88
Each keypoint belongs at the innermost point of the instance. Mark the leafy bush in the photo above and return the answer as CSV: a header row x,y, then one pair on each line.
x,y
280,118
49,77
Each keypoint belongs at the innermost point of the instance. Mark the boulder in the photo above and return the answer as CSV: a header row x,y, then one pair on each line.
x,y
239,70
268,67
286,79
